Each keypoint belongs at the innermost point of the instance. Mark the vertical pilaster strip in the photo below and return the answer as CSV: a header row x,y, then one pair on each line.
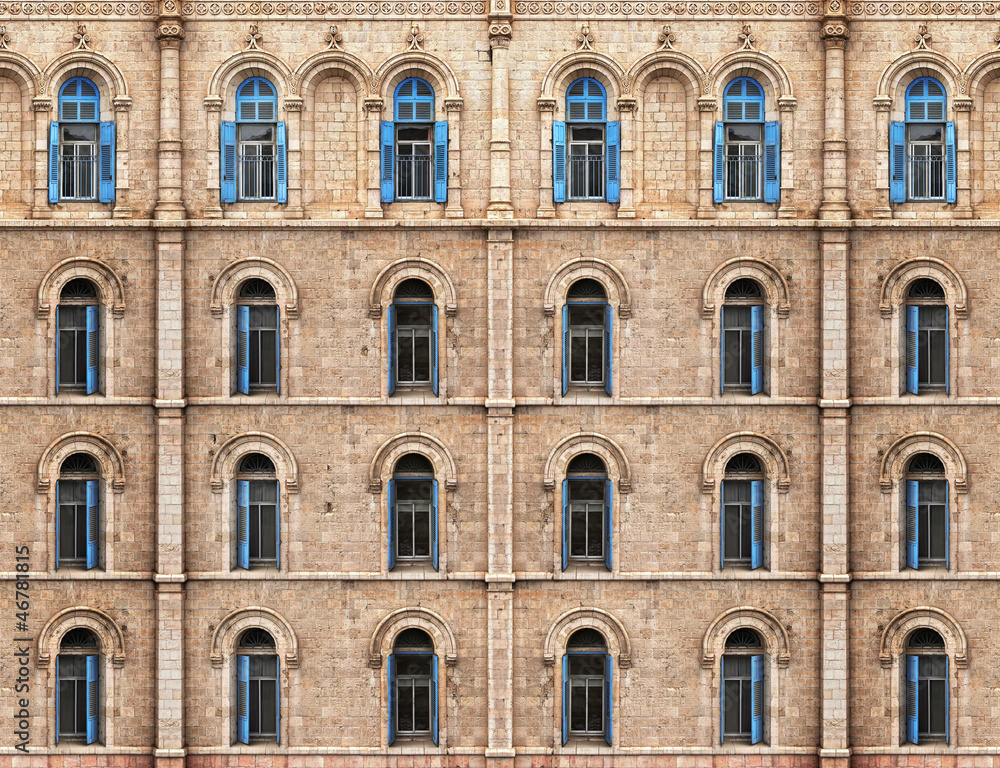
x,y
706,131
373,125
453,109
626,116
835,34
43,116
123,110
963,140
882,106
546,114
293,122
500,206
169,205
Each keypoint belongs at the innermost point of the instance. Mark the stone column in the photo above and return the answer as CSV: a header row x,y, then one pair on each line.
x,y
786,108
500,35
546,114
373,121
169,205
43,108
835,206
123,108
626,117
706,118
963,152
213,120
293,129
453,109
882,105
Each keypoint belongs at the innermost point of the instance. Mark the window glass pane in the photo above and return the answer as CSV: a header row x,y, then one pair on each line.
x,y
404,356
413,133
738,132
745,531
422,356
586,490
67,531
81,706
732,713
595,530
256,133
422,706
413,665
413,490
404,718
595,706
586,134
578,355
421,530
933,666
733,356
587,315
268,719
79,132
920,132
404,547
578,530
67,704
937,691
413,315
263,491
578,705
268,359
732,551
586,665
746,707
268,542
595,355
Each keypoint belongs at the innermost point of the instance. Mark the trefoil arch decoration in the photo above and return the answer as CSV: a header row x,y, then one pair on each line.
x,y
385,284
617,463
411,442
107,456
228,456
225,286
614,632
382,639
895,459
894,287
894,637
774,459
110,285
766,624
229,630
585,266
770,279
109,634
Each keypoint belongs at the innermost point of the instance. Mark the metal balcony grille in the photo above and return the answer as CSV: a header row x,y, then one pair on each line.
x,y
413,177
586,177
743,174
256,177
78,177
925,174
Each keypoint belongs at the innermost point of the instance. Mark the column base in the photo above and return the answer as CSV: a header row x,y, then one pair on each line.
x,y
545,213
788,212
169,210
41,213
626,213
706,213
500,210
837,210
374,213
122,212
964,212
454,212
213,212
882,212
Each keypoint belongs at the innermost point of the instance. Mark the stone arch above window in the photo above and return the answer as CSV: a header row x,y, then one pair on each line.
x,y
332,63
230,629
771,456
572,67
764,623
687,70
766,275
384,636
411,442
109,460
897,632
617,463
613,631
608,275
901,276
898,456
382,290
226,285
906,68
227,459
109,284
228,76
103,71
109,635
426,66
760,66
22,71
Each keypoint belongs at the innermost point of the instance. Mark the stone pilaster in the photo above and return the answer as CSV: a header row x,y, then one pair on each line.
x,y
500,206
963,142
43,116
626,117
373,121
706,121
546,115
835,34
123,110
882,106
786,108
453,208
169,203
293,124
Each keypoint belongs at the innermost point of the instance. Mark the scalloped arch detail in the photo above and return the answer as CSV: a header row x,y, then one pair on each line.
x,y
894,461
109,634
418,267
893,640
756,64
587,266
775,460
90,62
100,448
432,623
104,277
245,64
236,272
770,279
230,628
900,276
313,69
619,467
919,64
765,623
235,448
411,442
677,64
606,623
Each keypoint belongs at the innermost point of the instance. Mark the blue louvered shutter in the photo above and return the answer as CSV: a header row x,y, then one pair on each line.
x,y
243,524
58,686
609,523
772,162
609,690
92,699
92,520
388,143
243,350
951,169
391,676
281,163
614,182
559,161
53,162
722,524
757,694
434,527
434,699
227,140
718,164
58,516
58,356
277,524
947,527
243,699
92,349
757,350
947,703
912,704
565,350
756,523
434,349
565,699
912,352
897,162
441,161
277,350
106,163
722,700
565,524
391,357
391,524
912,539
608,349
277,700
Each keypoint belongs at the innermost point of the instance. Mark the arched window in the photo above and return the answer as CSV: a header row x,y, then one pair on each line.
x,y
587,513
926,696
413,337
926,338
587,687
413,688
927,540
743,338
413,513
78,513
78,688
747,149
923,147
414,146
743,513
254,148
742,690
587,320
77,342
81,148
594,146
258,338
258,520
258,693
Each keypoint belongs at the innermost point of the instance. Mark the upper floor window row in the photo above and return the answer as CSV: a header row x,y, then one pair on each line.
x,y
81,147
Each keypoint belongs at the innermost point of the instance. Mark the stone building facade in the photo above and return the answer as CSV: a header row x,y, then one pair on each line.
x,y
129,266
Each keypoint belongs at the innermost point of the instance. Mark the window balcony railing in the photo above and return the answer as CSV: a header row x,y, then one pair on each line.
x,y
743,177
257,177
78,177
925,174
586,177
413,177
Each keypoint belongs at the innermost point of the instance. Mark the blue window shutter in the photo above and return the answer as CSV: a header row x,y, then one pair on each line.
x,y
559,161
92,349
243,699
392,524
757,339
722,700
756,523
947,527
614,183
58,361
388,143
951,171
92,524
243,523
897,162
947,353
912,705
912,327
434,699
58,515
277,524
106,163
719,172
57,697
227,136
772,162
565,525
277,351
565,699
609,689
565,350
391,357
53,162
608,349
242,350
722,524
434,526
281,163
441,161
912,501
757,690
947,703
92,702
277,700
609,522
434,349
391,708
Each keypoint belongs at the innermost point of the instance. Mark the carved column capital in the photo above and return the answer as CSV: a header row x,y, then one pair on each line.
x,y
170,32
501,31
213,104
545,104
41,104
122,104
787,103
293,104
835,32
453,104
373,104
882,103
963,104
707,104
626,104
